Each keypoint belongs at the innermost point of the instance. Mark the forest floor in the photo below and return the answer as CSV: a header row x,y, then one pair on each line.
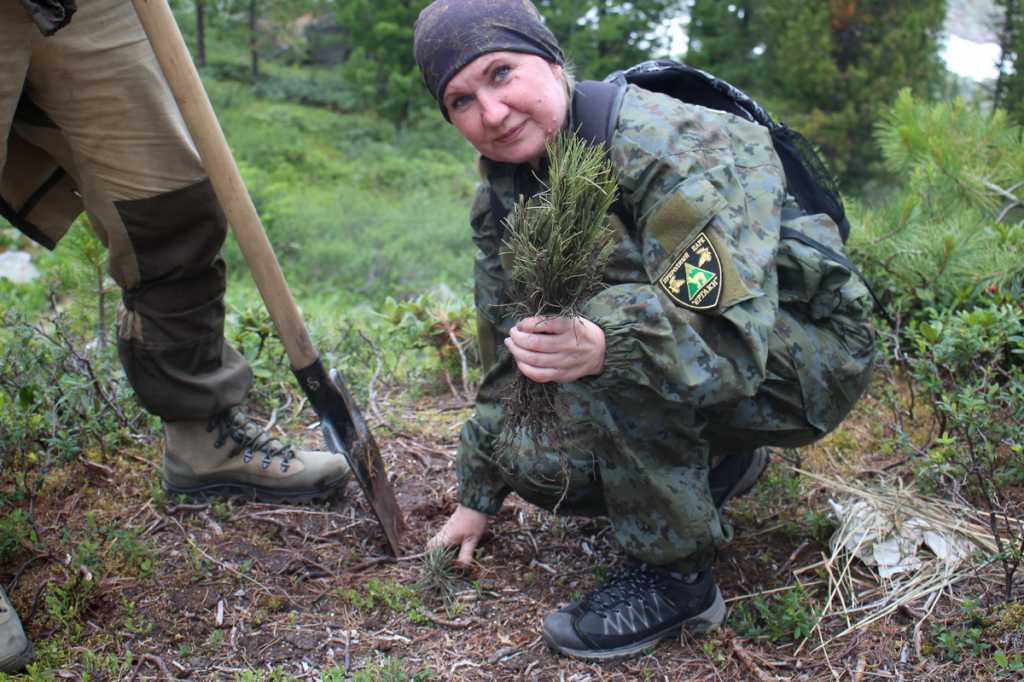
x,y
250,591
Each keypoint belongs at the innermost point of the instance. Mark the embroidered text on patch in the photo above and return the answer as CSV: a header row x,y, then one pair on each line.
x,y
695,279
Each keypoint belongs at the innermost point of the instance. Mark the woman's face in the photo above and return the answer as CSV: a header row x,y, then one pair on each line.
x,y
508,105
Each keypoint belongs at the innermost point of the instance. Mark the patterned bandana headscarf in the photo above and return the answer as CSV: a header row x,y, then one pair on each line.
x,y
450,34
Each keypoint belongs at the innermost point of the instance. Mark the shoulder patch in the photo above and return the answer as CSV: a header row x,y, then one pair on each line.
x,y
694,280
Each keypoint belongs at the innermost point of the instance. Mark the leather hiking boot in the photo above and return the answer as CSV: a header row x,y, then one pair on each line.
x,y
231,455
15,649
634,610
735,475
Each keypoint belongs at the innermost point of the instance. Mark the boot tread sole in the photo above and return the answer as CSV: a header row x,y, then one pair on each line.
x,y
261,493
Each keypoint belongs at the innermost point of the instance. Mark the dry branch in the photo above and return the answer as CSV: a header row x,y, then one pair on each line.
x,y
747,659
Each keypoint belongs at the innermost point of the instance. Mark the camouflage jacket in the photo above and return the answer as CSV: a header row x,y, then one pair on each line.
x,y
693,285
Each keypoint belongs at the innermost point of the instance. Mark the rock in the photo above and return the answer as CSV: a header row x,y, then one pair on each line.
x,y
17,267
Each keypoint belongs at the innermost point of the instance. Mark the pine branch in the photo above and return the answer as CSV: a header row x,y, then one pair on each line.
x,y
560,242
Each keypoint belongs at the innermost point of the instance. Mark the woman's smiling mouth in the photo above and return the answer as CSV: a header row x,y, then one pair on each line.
x,y
511,135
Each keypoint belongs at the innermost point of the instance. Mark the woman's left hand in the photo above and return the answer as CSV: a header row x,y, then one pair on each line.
x,y
559,349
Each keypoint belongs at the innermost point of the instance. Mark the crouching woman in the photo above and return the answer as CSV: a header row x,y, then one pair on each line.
x,y
712,337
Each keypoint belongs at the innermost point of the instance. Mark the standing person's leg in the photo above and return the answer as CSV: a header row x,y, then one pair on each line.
x,y
15,35
15,52
148,198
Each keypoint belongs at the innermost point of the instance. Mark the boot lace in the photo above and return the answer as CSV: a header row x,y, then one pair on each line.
x,y
249,439
621,587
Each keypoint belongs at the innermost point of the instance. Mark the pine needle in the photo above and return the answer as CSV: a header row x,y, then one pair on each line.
x,y
560,242
439,577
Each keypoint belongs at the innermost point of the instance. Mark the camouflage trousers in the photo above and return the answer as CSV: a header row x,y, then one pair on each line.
x,y
645,464
87,122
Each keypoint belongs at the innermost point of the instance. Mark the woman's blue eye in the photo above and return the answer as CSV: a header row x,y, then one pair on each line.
x,y
501,72
459,102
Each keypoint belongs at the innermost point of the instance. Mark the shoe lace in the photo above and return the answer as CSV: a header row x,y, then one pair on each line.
x,y
620,588
249,438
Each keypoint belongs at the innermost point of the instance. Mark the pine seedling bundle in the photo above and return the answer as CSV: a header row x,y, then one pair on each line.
x,y
560,242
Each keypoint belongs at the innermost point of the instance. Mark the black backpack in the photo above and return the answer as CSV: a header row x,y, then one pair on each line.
x,y
595,111
808,179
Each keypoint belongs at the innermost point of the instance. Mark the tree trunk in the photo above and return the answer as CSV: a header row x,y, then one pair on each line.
x,y
254,55
101,291
1006,49
200,33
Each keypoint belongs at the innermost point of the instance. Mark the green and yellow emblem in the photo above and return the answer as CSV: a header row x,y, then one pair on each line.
x,y
694,280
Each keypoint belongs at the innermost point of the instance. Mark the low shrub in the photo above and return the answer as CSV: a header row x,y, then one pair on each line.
x,y
970,365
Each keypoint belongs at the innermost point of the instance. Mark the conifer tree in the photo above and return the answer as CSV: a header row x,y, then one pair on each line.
x,y
827,68
381,69
723,41
838,65
1009,90
601,36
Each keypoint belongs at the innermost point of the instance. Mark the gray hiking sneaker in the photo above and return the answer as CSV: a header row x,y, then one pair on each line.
x,y
735,475
231,455
15,649
635,609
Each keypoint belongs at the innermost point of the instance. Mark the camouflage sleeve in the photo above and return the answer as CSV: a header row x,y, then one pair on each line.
x,y
481,486
705,191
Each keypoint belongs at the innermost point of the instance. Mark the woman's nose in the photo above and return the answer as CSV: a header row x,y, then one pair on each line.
x,y
493,109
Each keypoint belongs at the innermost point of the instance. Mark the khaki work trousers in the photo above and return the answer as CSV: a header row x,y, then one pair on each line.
x,y
93,98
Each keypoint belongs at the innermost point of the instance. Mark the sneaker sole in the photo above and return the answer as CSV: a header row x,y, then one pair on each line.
x,y
709,619
17,662
261,494
746,483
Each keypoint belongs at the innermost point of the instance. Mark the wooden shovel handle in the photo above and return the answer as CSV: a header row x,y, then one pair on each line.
x,y
176,64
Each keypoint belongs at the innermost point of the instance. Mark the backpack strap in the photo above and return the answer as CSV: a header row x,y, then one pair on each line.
x,y
595,108
595,111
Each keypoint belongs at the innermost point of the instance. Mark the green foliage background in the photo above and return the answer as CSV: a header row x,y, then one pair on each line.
x,y
828,69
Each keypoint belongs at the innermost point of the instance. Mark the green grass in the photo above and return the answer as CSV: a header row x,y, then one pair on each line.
x,y
356,210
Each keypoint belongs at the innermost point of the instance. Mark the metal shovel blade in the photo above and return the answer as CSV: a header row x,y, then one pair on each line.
x,y
346,432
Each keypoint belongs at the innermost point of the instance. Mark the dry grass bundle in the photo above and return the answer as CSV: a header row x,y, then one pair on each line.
x,y
560,242
889,509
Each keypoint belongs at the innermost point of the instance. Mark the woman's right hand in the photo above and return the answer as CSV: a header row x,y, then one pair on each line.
x,y
464,529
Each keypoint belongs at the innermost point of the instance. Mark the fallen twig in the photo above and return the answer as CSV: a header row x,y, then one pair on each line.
x,y
155,660
749,663
503,653
376,561
764,593
858,673
174,509
438,620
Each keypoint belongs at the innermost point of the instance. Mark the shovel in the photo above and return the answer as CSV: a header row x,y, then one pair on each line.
x,y
344,429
